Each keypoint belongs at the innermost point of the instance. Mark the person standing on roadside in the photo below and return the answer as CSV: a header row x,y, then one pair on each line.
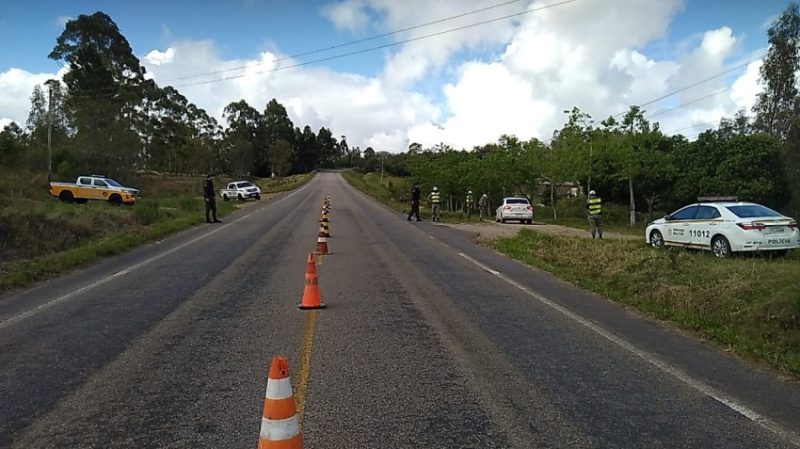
x,y
483,205
209,195
595,206
434,200
415,196
468,204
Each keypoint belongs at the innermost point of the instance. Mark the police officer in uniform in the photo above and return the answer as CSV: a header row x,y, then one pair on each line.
x,y
211,199
483,205
595,206
415,196
434,199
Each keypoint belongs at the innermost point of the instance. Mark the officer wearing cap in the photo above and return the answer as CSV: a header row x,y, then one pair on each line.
x,y
595,207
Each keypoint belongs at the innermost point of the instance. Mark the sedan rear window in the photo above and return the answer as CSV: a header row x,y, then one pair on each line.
x,y
517,201
752,211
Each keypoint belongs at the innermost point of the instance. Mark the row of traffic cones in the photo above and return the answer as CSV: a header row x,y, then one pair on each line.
x,y
280,427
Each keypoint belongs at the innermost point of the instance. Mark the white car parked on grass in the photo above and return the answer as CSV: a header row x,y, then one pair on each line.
x,y
515,208
725,227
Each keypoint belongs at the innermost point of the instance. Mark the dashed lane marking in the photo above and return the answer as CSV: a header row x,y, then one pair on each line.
x,y
651,359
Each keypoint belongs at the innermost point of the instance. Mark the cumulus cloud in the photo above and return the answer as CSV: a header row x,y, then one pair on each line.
x,y
347,15
17,86
364,109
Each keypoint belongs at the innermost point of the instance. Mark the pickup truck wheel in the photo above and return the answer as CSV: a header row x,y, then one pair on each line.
x,y
115,200
225,198
240,197
258,197
66,196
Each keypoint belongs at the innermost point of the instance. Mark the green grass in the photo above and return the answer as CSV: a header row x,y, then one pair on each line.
x,y
750,304
41,237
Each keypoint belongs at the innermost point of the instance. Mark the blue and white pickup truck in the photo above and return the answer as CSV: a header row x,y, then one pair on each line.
x,y
240,190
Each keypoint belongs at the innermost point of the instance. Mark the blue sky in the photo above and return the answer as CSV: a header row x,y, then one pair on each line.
x,y
241,30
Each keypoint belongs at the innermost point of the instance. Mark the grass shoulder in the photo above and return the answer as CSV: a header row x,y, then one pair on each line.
x,y
41,237
748,304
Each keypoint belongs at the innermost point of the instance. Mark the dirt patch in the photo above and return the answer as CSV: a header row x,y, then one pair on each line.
x,y
490,230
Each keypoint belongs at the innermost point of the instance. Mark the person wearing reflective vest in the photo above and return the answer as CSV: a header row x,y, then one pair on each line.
x,y
595,206
434,200
468,204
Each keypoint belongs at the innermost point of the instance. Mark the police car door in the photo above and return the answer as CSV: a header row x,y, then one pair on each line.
x,y
704,225
678,225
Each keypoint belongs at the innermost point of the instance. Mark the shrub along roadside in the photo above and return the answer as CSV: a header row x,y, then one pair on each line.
x,y
749,304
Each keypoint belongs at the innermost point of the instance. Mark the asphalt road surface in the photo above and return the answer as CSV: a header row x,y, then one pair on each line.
x,y
428,341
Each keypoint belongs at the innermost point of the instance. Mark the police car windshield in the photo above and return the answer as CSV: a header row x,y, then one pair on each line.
x,y
245,184
113,183
752,211
516,201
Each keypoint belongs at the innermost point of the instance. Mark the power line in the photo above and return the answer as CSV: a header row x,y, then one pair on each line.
x,y
685,88
347,44
664,111
392,44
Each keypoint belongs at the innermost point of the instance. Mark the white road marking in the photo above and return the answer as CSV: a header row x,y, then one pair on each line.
x,y
85,288
651,358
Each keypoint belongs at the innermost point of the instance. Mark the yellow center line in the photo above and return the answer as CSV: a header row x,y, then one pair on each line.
x,y
301,383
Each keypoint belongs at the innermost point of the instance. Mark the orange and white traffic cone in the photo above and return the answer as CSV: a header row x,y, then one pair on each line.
x,y
311,296
323,232
324,217
279,425
322,247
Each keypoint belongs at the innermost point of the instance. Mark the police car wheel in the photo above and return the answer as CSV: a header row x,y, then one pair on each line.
x,y
656,239
225,198
721,247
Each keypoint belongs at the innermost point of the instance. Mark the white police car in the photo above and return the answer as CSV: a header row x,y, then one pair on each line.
x,y
725,227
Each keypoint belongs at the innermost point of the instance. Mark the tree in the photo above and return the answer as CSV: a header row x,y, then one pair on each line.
x,y
280,156
12,145
777,103
104,86
244,139
277,126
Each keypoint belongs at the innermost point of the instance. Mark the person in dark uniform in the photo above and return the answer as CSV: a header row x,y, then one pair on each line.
x,y
415,195
211,199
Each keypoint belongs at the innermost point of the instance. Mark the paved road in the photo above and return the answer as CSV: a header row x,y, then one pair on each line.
x,y
428,341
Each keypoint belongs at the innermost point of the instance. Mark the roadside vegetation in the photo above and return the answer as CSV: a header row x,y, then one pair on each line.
x,y
749,304
41,236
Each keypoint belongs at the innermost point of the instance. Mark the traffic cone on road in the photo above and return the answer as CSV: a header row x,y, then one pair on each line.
x,y
311,296
323,232
322,246
324,217
279,426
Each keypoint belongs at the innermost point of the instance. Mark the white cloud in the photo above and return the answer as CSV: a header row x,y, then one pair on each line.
x,y
364,109
17,86
347,15
156,57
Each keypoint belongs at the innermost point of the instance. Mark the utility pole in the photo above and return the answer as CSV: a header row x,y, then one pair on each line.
x,y
49,128
381,168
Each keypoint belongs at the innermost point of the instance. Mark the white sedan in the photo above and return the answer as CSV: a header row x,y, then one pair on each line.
x,y
725,227
515,208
